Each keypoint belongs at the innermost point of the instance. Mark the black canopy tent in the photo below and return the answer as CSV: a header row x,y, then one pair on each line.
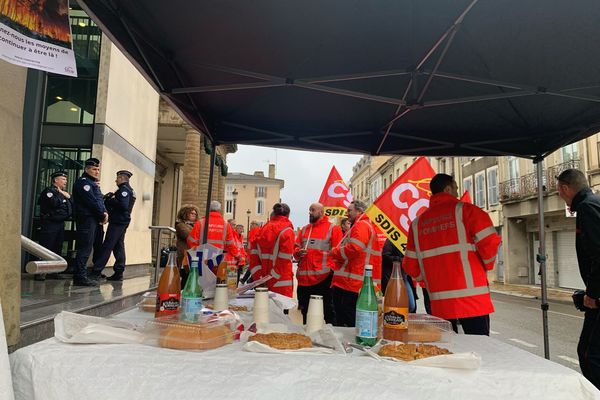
x,y
422,77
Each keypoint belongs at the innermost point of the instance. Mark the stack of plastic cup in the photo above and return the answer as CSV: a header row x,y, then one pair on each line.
x,y
221,297
261,306
315,319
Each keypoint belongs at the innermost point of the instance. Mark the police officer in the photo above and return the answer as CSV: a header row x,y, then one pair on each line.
x,y
55,206
119,205
90,214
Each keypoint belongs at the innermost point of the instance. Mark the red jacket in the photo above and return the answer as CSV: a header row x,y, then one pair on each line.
x,y
220,234
239,242
450,247
358,248
317,239
272,254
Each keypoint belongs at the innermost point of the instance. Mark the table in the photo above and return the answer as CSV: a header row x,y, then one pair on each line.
x,y
53,370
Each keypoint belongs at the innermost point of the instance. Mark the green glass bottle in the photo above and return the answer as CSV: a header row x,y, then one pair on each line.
x,y
191,296
366,311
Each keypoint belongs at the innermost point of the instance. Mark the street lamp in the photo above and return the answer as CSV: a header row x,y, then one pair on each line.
x,y
234,195
248,223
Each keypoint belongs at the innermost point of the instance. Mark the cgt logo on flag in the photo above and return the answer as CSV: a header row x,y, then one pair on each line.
x,y
402,202
336,196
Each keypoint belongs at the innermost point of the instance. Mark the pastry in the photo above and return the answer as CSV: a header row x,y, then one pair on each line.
x,y
410,352
195,337
282,341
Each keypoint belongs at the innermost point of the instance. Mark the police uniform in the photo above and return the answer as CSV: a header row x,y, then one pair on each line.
x,y
54,210
89,213
119,205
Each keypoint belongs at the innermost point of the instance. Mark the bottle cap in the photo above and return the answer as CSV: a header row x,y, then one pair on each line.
x,y
261,289
221,285
316,297
368,267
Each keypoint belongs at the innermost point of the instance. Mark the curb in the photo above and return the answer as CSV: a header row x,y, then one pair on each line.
x,y
516,294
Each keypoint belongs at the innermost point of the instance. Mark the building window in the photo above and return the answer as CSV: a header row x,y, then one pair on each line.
x,y
260,207
229,191
397,172
570,152
229,206
442,166
468,184
492,179
384,183
261,191
513,174
480,190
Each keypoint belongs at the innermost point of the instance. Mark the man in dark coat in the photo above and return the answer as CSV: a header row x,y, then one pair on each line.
x,y
55,208
573,188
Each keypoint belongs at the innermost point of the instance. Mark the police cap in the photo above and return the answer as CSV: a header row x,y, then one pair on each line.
x,y
59,173
125,173
92,162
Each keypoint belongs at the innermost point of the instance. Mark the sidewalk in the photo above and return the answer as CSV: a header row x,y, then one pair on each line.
x,y
532,292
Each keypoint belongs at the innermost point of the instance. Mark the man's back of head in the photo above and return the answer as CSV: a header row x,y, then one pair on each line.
x,y
440,182
215,206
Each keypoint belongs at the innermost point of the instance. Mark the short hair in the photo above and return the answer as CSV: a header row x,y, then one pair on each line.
x,y
215,206
573,178
440,182
343,221
239,226
281,209
359,205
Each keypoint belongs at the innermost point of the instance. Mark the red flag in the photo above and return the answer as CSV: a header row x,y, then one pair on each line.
x,y
466,197
403,201
336,196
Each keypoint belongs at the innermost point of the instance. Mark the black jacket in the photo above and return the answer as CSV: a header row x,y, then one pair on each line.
x,y
119,204
54,207
87,198
587,239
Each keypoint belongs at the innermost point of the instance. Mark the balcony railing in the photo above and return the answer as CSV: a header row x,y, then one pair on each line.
x,y
527,186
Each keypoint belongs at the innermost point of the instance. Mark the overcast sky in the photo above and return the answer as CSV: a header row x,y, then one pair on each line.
x,y
304,173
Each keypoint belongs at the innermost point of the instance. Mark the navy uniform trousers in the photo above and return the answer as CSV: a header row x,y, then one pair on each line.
x,y
52,235
113,242
88,237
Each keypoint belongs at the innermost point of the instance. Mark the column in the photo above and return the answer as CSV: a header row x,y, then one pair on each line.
x,y
203,173
191,179
13,80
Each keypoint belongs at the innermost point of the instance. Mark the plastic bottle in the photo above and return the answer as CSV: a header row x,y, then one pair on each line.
x,y
366,311
168,294
395,307
191,296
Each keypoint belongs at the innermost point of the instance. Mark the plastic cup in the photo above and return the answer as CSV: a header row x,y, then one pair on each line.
x,y
315,319
261,306
221,301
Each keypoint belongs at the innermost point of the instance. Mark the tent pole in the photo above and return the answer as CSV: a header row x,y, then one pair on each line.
x,y
541,256
213,154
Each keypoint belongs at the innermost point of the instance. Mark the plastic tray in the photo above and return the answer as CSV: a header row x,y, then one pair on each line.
x,y
148,302
427,328
209,332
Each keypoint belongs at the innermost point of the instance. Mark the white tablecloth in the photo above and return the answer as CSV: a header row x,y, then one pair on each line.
x,y
53,370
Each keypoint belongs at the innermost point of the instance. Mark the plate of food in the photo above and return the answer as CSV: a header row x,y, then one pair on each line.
x,y
421,354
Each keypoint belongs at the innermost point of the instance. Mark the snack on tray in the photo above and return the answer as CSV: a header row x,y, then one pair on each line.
x,y
424,333
210,306
283,341
411,352
195,337
238,308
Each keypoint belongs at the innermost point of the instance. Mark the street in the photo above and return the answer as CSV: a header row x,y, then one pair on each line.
x,y
518,321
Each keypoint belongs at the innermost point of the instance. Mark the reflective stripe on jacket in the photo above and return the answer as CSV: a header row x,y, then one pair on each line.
x,y
220,234
450,247
359,248
274,248
317,239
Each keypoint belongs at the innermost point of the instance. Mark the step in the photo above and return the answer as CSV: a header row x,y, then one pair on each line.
x,y
41,301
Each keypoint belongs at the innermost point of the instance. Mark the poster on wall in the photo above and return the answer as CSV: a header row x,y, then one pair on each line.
x,y
37,34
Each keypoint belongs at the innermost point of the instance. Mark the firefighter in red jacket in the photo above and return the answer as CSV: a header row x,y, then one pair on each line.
x,y
313,244
220,233
450,247
357,249
274,248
